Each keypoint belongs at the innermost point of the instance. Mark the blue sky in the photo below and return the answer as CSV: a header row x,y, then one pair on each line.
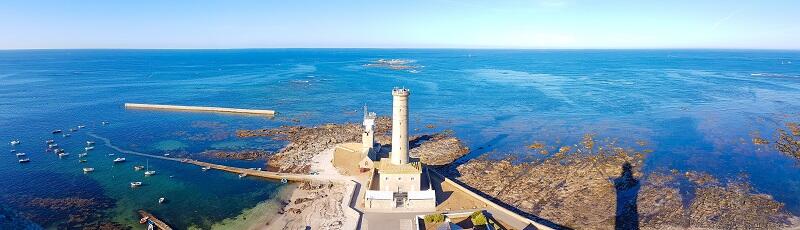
x,y
766,24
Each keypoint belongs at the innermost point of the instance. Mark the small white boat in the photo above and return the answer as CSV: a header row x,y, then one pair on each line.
x,y
138,167
242,175
205,168
87,170
119,159
56,131
24,160
63,154
58,150
73,130
111,154
166,154
52,145
89,148
149,172
66,135
136,184
162,200
13,151
105,122
81,126
257,169
15,142
82,160
49,141
20,154
83,154
89,143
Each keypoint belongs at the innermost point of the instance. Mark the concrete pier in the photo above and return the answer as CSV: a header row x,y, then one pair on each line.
x,y
199,109
154,220
251,172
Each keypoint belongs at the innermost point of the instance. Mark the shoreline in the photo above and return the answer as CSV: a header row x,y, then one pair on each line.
x,y
315,204
262,215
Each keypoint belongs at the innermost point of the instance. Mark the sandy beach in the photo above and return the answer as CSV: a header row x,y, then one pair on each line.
x,y
318,204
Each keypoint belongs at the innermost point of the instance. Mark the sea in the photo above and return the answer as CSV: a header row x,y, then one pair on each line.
x,y
690,109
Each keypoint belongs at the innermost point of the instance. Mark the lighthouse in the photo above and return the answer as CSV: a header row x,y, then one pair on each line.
x,y
399,154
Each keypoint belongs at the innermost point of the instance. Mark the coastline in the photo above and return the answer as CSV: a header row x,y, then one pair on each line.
x,y
262,215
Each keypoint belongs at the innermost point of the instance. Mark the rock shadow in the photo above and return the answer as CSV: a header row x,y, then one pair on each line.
x,y
627,189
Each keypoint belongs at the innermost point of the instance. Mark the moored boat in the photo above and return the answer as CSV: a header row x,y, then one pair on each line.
x,y
81,126
89,143
138,167
149,172
15,142
119,159
56,131
66,135
86,170
162,200
82,160
83,154
20,154
242,175
24,160
136,184
105,122
88,148
63,154
49,141
205,168
54,145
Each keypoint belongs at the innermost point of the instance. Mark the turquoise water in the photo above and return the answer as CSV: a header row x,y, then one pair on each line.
x,y
696,109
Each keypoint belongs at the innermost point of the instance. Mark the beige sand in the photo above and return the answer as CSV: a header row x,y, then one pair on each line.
x,y
319,204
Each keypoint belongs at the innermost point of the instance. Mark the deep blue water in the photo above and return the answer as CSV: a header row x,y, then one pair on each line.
x,y
696,109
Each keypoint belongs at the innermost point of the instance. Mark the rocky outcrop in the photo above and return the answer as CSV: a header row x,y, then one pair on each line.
x,y
437,149
603,188
304,143
789,140
575,188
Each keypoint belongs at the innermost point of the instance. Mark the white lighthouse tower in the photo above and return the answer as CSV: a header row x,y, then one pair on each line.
x,y
399,153
398,184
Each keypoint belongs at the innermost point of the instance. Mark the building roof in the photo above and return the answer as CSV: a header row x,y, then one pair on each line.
x,y
386,166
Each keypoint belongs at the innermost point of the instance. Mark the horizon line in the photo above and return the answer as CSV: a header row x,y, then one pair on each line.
x,y
408,48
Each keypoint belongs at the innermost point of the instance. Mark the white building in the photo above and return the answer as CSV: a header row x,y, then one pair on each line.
x,y
398,184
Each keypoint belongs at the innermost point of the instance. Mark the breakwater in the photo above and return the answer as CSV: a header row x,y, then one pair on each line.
x,y
200,109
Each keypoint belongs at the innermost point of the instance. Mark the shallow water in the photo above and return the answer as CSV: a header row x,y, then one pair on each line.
x,y
696,109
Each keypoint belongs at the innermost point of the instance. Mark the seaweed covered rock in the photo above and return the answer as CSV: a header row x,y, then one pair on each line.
x,y
304,143
587,189
575,187
437,149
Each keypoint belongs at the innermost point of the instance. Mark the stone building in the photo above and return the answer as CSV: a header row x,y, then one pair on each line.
x,y
397,184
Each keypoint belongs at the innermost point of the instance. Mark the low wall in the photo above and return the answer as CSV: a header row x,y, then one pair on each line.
x,y
490,203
